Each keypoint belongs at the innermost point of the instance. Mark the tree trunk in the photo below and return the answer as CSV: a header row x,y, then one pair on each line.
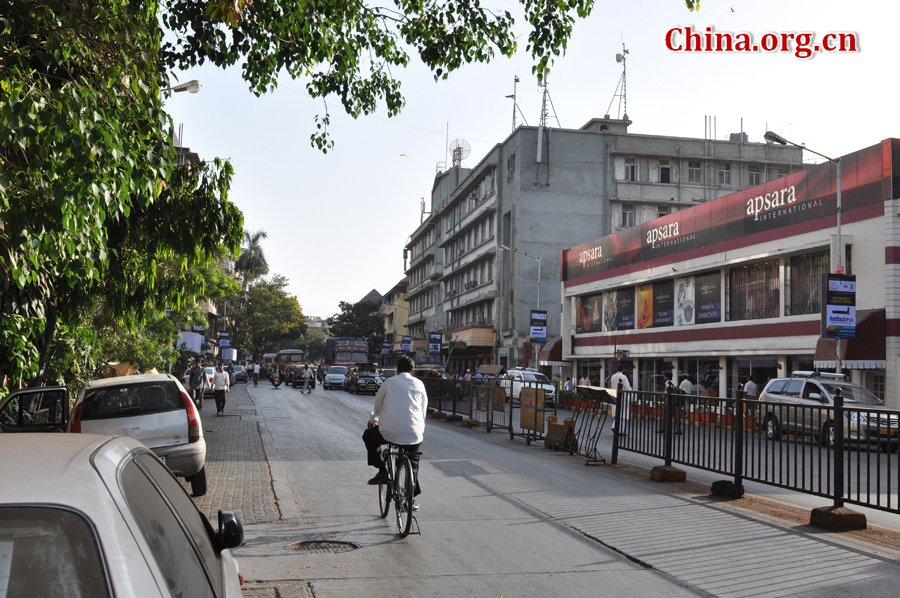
x,y
46,343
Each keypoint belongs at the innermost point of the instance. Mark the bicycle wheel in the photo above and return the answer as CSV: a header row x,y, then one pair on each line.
x,y
384,498
403,498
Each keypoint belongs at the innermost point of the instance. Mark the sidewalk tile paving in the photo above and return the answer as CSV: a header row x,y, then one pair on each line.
x,y
237,470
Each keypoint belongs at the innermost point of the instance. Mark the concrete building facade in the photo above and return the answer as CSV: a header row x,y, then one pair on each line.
x,y
581,184
732,289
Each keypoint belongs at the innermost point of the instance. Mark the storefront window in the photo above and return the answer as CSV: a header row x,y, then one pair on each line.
x,y
803,282
703,374
753,291
740,369
651,374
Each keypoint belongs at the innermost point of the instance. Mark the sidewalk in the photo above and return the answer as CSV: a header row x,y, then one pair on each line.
x,y
237,469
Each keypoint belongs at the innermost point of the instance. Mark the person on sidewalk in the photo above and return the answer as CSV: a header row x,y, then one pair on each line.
x,y
398,418
614,381
197,383
569,387
686,386
585,382
220,388
750,390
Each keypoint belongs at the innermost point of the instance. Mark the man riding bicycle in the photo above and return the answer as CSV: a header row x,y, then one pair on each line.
x,y
398,418
255,374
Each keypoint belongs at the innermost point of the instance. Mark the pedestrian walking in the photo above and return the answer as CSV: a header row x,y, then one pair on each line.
x,y
569,387
615,379
686,386
197,383
307,379
220,388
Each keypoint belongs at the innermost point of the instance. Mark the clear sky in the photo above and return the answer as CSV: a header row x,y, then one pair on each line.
x,y
337,223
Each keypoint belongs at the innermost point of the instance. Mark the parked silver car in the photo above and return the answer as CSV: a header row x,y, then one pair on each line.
x,y
800,406
155,409
100,516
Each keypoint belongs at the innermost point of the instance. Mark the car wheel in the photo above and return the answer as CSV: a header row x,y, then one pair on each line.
x,y
826,438
772,427
198,482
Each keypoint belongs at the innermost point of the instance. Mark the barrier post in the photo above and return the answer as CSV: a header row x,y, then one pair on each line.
x,y
617,422
838,447
739,406
667,428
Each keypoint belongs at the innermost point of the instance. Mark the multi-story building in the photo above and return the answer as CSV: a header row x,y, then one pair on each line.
x,y
733,289
538,198
395,309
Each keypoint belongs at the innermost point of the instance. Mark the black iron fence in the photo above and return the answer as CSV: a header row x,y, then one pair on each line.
x,y
844,452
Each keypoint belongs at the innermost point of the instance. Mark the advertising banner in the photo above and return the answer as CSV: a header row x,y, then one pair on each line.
x,y
709,298
537,333
797,198
434,343
609,311
223,342
590,312
839,307
684,301
644,296
663,303
385,348
406,344
625,309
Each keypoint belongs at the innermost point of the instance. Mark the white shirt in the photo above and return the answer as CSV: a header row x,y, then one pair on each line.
x,y
256,368
750,389
400,407
220,380
614,381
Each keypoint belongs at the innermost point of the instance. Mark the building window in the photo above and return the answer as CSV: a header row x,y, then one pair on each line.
x,y
725,174
510,167
627,215
630,169
755,176
662,211
783,171
803,282
753,292
878,385
665,172
694,172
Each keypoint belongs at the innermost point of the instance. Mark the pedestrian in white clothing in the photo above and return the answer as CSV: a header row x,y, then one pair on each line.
x,y
220,388
614,381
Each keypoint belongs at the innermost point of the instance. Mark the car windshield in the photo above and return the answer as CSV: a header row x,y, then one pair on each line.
x,y
532,377
388,373
128,400
238,369
853,393
366,374
337,369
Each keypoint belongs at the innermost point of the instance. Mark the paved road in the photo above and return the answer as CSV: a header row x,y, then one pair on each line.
x,y
499,518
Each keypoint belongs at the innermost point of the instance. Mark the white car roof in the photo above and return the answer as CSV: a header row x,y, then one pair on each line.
x,y
134,379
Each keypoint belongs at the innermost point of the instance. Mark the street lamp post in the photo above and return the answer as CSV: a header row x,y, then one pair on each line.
x,y
775,138
538,258
190,87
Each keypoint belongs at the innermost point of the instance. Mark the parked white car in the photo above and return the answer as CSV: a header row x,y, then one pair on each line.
x,y
100,516
155,409
519,378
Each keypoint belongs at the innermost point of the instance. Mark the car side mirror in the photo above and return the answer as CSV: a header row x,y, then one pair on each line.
x,y
231,532
815,395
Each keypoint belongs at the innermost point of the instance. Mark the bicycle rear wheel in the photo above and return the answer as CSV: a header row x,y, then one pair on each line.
x,y
404,495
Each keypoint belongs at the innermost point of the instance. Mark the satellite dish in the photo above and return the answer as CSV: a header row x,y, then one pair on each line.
x,y
460,149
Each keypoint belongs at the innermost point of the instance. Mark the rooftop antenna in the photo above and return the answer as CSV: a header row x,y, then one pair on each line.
x,y
516,105
546,106
460,149
623,98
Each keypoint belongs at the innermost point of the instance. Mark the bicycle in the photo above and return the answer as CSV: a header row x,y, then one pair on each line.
x,y
400,487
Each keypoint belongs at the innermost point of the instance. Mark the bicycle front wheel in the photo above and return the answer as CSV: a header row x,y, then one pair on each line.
x,y
384,499
404,495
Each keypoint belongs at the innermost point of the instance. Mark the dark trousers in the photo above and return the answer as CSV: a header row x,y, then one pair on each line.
x,y
220,399
197,396
374,440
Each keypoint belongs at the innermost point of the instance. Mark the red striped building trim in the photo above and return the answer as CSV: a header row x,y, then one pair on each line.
x,y
704,333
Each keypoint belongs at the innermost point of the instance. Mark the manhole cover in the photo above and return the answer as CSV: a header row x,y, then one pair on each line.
x,y
322,547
